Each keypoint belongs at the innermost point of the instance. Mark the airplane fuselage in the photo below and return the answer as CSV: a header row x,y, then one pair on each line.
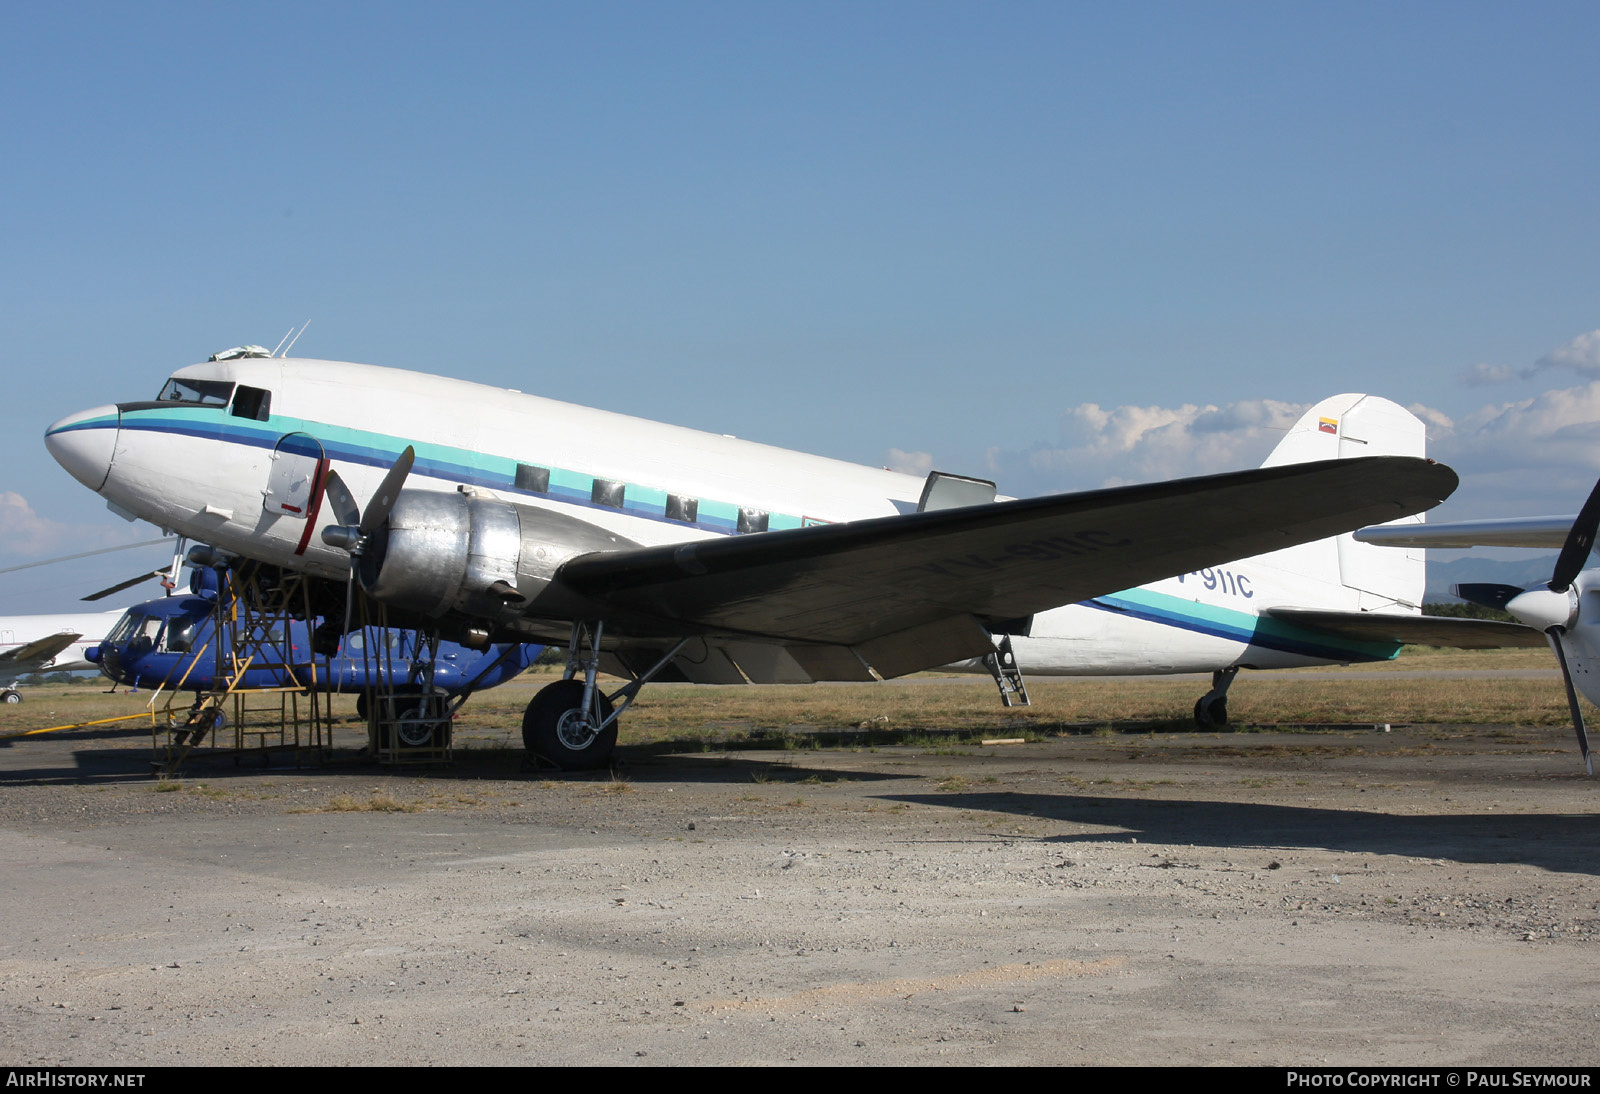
x,y
232,461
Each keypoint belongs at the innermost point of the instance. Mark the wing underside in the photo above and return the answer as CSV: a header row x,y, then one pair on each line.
x,y
888,596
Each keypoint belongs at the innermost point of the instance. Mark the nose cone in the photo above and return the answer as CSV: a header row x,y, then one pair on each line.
x,y
1545,608
84,444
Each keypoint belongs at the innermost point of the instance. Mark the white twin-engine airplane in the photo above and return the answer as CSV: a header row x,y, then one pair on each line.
x,y
48,643
667,553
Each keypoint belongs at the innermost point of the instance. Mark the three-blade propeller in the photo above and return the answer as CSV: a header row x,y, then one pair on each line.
x,y
1553,609
353,533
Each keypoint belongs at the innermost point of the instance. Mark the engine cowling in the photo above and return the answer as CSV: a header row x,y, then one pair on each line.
x,y
481,556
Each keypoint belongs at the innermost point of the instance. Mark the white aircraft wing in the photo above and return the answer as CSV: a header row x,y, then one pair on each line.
x,y
907,592
1506,532
38,653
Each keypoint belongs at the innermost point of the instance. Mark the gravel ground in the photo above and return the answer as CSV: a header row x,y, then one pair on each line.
x,y
1418,897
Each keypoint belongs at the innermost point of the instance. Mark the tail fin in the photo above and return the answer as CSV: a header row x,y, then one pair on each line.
x,y
1356,576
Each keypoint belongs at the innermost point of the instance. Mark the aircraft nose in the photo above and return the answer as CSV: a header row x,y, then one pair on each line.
x,y
84,443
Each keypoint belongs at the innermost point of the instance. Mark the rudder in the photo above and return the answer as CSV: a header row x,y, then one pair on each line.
x,y
1344,427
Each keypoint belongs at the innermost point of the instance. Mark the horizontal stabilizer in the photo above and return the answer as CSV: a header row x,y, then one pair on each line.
x,y
1413,630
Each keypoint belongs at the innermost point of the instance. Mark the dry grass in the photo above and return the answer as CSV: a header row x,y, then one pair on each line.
x,y
381,801
952,715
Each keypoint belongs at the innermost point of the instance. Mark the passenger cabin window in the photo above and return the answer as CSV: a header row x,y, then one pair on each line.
x,y
196,392
682,508
252,402
180,636
608,493
752,520
533,479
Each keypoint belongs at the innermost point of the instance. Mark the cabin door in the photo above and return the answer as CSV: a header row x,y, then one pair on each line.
x,y
298,464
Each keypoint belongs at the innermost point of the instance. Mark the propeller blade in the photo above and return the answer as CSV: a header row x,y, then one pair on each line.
x,y
342,502
378,508
128,584
1579,543
1554,635
1488,594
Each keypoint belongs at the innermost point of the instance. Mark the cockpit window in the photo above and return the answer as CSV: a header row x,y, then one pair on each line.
x,y
199,392
252,402
119,633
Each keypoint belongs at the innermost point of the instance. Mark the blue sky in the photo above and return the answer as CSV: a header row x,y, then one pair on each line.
x,y
921,233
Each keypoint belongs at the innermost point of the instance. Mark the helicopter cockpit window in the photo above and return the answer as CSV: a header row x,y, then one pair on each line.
x,y
119,634
196,392
146,633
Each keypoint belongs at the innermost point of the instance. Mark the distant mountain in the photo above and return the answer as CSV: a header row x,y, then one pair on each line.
x,y
1522,572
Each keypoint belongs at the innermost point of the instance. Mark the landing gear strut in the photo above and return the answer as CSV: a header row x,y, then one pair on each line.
x,y
1211,709
571,723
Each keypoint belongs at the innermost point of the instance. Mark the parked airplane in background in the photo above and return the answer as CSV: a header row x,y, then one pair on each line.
x,y
668,553
1564,611
47,643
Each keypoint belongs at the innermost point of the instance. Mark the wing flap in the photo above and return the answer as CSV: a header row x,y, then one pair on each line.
x,y
849,584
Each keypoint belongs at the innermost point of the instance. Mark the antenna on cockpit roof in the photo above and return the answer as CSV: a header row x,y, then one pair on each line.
x,y
281,341
290,346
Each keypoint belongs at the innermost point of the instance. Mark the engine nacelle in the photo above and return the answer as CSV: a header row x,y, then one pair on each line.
x,y
480,556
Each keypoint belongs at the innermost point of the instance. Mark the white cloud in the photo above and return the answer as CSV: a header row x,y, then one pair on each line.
x,y
1528,457
1101,447
1480,374
911,463
1532,456
1580,354
25,534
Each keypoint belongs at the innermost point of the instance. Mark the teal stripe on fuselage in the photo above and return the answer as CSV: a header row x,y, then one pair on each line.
x,y
380,450
1237,626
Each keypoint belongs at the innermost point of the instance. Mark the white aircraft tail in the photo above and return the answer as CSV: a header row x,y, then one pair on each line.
x,y
1356,576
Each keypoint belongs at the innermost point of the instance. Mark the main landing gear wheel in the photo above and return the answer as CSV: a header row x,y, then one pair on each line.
x,y
556,728
13,697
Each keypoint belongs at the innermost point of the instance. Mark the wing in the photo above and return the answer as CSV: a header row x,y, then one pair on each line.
x,y
1413,630
1509,532
38,653
906,592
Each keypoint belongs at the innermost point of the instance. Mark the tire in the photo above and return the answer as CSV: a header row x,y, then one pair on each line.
x,y
553,728
13,697
1213,715
421,736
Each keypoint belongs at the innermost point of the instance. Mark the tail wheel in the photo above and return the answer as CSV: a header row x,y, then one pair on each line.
x,y
556,728
1212,715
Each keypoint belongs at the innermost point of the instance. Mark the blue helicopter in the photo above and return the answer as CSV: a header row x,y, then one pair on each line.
x,y
171,642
